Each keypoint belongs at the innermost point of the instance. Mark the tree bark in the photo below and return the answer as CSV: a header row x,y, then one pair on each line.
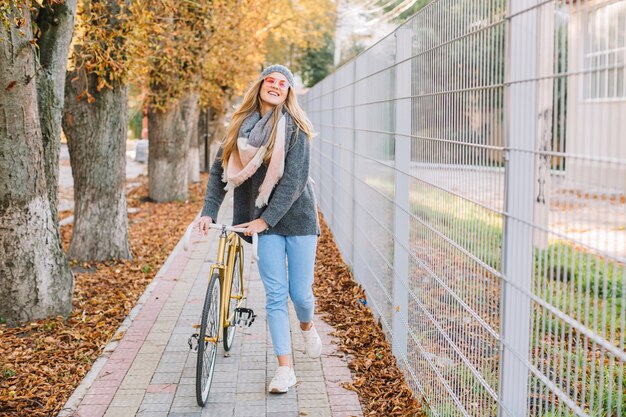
x,y
217,131
202,132
56,24
96,137
35,278
170,132
212,126
193,155
96,134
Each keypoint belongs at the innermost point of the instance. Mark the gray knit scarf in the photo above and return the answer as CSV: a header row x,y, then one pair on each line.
x,y
254,134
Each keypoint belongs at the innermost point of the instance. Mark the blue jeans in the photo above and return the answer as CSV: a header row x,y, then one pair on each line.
x,y
299,251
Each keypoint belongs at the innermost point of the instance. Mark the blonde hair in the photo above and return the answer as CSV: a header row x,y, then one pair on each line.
x,y
252,103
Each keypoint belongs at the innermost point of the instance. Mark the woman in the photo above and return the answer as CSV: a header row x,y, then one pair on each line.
x,y
265,158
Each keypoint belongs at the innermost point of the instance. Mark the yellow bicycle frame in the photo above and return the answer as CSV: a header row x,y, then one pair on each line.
x,y
225,270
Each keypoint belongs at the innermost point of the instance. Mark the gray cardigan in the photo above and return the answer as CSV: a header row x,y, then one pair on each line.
x,y
291,209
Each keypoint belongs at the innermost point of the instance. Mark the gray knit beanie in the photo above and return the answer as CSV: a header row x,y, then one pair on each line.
x,y
278,68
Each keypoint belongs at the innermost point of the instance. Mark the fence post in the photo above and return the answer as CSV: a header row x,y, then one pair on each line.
x,y
333,155
320,160
521,128
402,110
544,109
348,129
354,187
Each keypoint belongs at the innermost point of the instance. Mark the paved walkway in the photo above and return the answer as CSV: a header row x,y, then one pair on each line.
x,y
150,371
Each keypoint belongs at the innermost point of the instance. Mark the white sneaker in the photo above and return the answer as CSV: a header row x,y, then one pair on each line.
x,y
312,342
284,378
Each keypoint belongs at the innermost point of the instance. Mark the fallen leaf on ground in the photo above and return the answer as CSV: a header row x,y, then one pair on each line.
x,y
378,380
42,363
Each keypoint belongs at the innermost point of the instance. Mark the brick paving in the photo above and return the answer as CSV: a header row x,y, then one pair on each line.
x,y
150,371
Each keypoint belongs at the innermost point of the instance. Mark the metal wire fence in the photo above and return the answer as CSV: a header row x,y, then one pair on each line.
x,y
472,167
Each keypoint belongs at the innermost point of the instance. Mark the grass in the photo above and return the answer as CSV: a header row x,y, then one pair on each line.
x,y
589,273
476,229
8,373
583,285
591,380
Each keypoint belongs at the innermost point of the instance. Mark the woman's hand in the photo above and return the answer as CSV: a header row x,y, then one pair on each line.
x,y
203,224
255,226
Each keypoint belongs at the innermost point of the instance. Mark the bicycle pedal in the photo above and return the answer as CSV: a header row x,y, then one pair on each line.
x,y
244,317
193,342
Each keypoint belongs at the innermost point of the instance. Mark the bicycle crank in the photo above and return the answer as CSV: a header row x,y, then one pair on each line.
x,y
244,317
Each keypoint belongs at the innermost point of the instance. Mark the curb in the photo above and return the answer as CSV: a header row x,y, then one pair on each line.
x,y
77,396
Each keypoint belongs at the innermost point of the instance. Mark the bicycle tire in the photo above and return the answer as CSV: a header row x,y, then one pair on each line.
x,y
235,288
209,326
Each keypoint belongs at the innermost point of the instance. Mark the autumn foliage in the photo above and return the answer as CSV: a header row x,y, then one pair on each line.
x,y
377,378
169,48
218,47
42,362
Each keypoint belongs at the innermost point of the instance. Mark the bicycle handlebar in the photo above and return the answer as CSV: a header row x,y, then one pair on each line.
x,y
255,237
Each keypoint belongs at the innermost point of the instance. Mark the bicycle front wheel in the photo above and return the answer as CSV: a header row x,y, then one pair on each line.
x,y
235,294
207,339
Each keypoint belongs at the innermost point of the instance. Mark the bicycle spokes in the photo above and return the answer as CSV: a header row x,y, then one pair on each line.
x,y
210,338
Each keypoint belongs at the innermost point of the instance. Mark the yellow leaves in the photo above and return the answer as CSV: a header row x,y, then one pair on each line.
x,y
255,32
168,41
298,25
103,83
377,378
173,46
42,362
90,99
236,50
353,387
100,45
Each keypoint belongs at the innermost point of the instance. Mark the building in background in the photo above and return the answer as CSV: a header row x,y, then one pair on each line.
x,y
596,52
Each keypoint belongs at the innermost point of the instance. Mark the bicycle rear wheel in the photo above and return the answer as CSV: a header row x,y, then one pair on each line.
x,y
235,291
207,349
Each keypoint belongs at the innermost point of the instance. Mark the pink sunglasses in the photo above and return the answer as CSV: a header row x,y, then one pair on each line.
x,y
282,84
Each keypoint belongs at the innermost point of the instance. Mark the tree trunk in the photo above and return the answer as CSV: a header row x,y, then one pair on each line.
x,y
170,132
217,131
35,278
202,132
210,125
193,155
57,26
96,137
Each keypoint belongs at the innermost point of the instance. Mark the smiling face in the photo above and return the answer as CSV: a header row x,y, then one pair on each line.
x,y
271,93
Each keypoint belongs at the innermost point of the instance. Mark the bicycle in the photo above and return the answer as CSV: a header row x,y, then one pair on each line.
x,y
224,304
